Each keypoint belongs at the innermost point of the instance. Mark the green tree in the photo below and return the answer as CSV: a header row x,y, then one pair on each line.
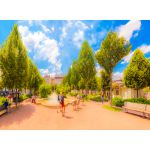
x,y
92,85
13,61
105,80
137,73
34,78
86,64
98,79
75,76
112,50
67,78
45,90
81,84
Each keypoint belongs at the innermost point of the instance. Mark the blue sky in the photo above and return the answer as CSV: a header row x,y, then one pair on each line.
x,y
54,44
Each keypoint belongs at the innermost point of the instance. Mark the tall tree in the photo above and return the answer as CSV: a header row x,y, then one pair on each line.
x,y
112,50
75,76
34,78
92,85
105,80
67,78
13,61
86,64
137,73
81,84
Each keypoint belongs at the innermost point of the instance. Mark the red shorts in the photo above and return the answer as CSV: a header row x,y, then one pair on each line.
x,y
62,104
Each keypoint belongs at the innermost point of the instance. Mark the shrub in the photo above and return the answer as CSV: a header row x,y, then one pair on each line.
x,y
96,98
73,94
29,95
2,101
137,100
118,101
44,90
23,97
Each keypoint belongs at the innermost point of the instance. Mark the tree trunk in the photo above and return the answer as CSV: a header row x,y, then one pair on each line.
x,y
110,96
137,93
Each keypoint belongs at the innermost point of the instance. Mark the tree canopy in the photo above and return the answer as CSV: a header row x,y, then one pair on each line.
x,y
112,50
137,73
13,61
86,64
34,77
17,69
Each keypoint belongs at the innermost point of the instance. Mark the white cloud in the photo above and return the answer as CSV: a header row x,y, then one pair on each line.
x,y
72,27
117,76
65,29
145,48
42,46
127,58
52,29
44,28
128,30
44,71
78,38
92,26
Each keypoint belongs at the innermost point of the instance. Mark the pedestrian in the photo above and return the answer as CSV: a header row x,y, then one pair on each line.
x,y
59,101
102,96
34,99
62,104
6,105
78,100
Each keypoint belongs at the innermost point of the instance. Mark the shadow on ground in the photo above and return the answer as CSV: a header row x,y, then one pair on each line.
x,y
25,112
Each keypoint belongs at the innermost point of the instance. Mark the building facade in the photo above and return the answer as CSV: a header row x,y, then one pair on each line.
x,y
119,89
53,80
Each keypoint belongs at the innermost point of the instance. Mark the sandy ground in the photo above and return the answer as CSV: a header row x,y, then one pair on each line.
x,y
91,116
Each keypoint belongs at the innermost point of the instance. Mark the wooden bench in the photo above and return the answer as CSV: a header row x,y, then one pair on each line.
x,y
137,109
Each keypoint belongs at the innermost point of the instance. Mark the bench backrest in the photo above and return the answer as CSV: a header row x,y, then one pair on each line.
x,y
135,106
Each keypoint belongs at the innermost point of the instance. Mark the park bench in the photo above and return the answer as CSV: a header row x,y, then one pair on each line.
x,y
137,109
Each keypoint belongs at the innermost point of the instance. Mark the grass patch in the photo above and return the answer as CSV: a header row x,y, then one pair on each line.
x,y
111,108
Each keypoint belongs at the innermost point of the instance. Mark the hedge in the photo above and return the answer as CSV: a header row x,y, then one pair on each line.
x,y
119,102
96,98
138,100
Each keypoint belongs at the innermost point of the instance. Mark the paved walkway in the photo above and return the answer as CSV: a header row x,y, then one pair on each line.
x,y
91,116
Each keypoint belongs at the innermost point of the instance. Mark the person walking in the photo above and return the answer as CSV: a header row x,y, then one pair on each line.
x,y
102,96
33,99
62,104
78,100
59,101
6,105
